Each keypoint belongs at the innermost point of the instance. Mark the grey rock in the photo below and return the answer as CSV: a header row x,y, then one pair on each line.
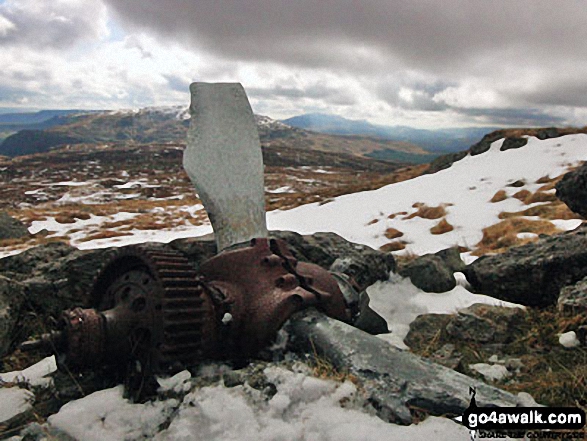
x,y
332,252
448,356
572,190
11,228
425,329
394,380
513,143
445,161
485,324
11,299
430,273
573,299
452,259
532,274
549,132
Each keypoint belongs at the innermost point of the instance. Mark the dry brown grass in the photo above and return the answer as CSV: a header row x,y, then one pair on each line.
x,y
394,215
522,195
499,196
426,212
442,227
545,179
104,235
392,233
554,210
540,196
396,245
503,235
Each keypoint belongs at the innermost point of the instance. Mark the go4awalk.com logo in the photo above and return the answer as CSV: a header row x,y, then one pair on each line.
x,y
528,422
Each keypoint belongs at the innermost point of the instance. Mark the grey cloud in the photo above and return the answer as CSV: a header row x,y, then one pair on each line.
x,y
422,94
177,83
50,24
513,117
431,34
330,95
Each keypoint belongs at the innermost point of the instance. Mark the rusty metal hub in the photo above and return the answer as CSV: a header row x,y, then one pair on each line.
x,y
153,313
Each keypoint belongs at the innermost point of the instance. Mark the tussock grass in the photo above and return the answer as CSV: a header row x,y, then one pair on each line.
x,y
392,233
442,227
503,235
426,212
396,245
522,195
555,210
551,373
499,196
107,234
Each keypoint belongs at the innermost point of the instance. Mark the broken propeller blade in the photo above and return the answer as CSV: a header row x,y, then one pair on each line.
x,y
224,161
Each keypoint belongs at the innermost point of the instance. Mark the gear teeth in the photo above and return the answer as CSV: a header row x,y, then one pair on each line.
x,y
185,315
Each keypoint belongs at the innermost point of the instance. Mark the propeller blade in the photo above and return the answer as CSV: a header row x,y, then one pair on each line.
x,y
224,162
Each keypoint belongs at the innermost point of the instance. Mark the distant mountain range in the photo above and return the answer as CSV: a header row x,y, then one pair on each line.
x,y
38,132
435,141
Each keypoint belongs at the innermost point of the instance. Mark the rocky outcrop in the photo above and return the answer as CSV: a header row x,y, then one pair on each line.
x,y
572,190
445,161
485,324
11,228
532,274
329,250
434,272
11,300
478,323
573,299
513,143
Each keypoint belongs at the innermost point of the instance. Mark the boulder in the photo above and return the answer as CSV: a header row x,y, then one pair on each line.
x,y
532,274
485,324
452,259
430,273
573,299
513,143
11,300
572,190
445,161
332,252
11,228
393,380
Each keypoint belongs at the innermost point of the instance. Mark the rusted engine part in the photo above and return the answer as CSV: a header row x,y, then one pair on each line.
x,y
154,314
261,286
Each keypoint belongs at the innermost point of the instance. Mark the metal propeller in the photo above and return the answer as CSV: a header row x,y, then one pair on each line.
x,y
224,161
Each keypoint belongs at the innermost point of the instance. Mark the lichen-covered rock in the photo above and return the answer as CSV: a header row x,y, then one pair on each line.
x,y
573,299
11,300
532,274
332,252
485,324
430,273
11,228
513,143
572,190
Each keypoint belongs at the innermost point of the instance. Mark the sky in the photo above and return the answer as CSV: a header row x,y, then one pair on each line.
x,y
420,63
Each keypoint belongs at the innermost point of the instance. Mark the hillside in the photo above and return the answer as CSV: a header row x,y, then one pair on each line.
x,y
435,141
169,125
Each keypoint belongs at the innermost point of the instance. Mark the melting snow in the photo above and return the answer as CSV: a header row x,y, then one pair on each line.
x,y
465,189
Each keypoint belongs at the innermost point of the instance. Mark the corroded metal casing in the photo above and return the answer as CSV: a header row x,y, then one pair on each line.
x,y
261,286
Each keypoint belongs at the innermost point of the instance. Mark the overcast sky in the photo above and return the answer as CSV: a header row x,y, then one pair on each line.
x,y
422,63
